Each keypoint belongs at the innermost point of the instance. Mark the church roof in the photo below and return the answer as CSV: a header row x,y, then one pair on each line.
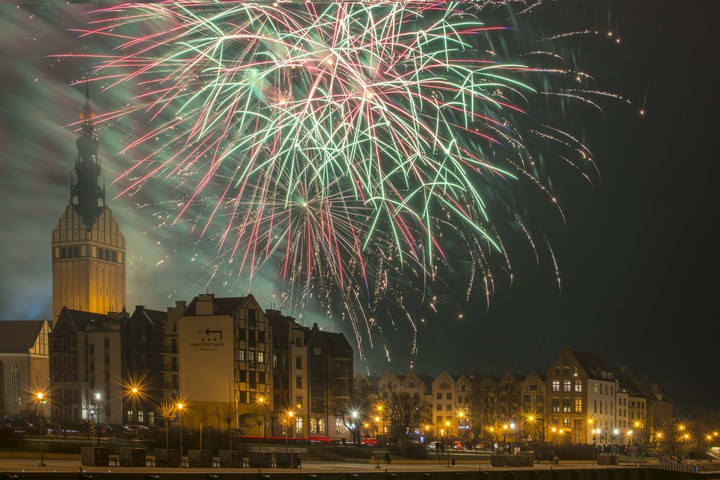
x,y
18,336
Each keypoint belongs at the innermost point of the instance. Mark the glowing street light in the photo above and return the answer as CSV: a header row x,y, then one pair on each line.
x,y
180,407
377,443
41,401
261,400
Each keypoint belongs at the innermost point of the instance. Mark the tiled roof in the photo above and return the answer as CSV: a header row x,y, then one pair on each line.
x,y
221,305
18,336
592,364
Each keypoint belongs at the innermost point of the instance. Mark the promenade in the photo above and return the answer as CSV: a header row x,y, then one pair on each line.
x,y
310,470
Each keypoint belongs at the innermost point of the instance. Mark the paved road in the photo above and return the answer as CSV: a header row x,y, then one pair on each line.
x,y
308,466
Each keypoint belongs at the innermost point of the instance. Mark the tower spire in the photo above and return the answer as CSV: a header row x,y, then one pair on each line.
x,y
89,196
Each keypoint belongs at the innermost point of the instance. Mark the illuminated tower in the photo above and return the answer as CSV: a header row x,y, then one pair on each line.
x,y
88,249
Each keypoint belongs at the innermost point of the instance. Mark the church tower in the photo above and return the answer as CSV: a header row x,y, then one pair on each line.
x,y
88,249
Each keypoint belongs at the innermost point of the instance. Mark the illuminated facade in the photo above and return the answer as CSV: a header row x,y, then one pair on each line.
x,y
88,249
23,364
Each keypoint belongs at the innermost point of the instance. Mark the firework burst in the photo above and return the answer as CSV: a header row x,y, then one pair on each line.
x,y
363,152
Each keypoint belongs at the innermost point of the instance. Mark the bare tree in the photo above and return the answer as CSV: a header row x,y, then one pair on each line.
x,y
227,414
167,411
406,413
357,410
203,414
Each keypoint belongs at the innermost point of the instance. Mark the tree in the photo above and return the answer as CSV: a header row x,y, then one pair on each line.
x,y
203,414
167,410
405,414
355,412
227,414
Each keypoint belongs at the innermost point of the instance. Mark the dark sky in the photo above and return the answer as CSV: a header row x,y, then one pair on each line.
x,y
637,256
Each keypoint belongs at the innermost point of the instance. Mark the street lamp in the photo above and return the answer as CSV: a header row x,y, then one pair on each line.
x,y
180,407
134,393
532,421
631,441
377,442
447,430
288,431
261,400
41,401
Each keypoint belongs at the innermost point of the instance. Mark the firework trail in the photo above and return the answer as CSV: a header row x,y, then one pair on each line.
x,y
364,153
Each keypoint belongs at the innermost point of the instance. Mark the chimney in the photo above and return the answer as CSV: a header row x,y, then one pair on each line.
x,y
204,304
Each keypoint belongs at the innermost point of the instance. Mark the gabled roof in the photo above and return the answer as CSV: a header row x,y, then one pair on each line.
x,y
627,382
221,305
154,317
18,336
79,319
593,365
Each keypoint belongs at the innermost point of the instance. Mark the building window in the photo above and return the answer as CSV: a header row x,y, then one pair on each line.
x,y
578,405
566,405
556,405
241,355
556,385
595,388
261,357
15,399
567,386
298,402
298,382
439,396
298,424
448,396
339,425
578,385
298,363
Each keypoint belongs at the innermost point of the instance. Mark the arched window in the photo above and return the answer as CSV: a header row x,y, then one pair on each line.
x,y
15,385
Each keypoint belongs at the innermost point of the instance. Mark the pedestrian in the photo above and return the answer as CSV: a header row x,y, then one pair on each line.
x,y
387,458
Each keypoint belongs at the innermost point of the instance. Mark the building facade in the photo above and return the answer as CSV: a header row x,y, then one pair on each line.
x,y
88,248
24,364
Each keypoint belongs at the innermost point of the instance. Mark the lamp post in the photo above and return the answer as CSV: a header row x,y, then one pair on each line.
x,y
631,443
447,434
96,419
377,442
531,421
41,401
180,407
261,400
555,432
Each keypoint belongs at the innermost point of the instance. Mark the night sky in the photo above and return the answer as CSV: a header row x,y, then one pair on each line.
x,y
637,256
